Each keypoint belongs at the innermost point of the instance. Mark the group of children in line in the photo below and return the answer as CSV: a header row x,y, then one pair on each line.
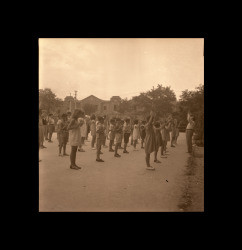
x,y
154,134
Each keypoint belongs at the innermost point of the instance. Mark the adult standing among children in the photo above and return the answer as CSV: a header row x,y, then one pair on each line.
x,y
75,135
189,132
150,144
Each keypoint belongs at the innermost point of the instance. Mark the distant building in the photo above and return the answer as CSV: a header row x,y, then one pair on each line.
x,y
102,106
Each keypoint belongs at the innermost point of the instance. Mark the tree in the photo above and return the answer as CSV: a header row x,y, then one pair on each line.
x,y
160,99
193,102
89,108
125,106
48,100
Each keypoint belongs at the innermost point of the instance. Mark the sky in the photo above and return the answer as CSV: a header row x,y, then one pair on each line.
x,y
106,67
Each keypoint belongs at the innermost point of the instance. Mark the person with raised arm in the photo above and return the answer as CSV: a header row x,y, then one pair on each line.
x,y
150,145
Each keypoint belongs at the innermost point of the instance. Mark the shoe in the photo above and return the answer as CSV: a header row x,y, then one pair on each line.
x,y
99,160
173,146
157,161
121,148
65,155
101,153
50,141
150,168
111,150
142,147
81,150
125,152
163,156
105,146
77,166
73,167
135,149
117,155
93,148
43,146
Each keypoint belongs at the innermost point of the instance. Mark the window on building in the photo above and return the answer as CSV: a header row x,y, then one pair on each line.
x,y
104,108
115,107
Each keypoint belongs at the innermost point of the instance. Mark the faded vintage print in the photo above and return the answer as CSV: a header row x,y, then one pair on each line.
x,y
121,125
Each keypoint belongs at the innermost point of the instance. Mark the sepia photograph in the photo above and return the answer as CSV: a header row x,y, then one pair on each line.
x,y
121,124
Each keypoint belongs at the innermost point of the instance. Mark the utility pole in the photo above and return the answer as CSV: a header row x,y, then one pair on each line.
x,y
75,99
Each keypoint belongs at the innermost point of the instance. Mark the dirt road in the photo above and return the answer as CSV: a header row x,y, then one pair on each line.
x,y
120,184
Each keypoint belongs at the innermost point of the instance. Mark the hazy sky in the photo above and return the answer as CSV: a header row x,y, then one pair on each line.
x,y
119,67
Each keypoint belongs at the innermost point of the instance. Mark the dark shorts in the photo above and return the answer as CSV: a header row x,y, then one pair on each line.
x,y
126,137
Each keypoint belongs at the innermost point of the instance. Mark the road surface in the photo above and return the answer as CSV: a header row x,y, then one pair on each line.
x,y
120,184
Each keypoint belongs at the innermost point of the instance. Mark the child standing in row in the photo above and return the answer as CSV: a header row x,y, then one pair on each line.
x,y
75,135
142,133
158,140
100,133
63,134
163,137
126,133
93,131
111,134
83,130
149,140
118,136
51,127
135,133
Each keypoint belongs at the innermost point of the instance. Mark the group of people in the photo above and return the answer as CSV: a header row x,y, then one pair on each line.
x,y
154,134
46,127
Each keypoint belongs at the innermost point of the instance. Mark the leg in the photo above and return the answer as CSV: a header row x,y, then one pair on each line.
x,y
110,145
135,142
60,148
73,155
98,149
147,159
116,148
64,149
